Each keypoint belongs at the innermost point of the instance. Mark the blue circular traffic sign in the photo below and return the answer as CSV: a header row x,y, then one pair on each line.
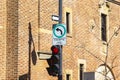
x,y
59,30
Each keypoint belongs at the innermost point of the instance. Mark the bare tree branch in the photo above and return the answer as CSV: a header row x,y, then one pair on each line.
x,y
113,35
94,55
108,47
117,76
105,74
113,60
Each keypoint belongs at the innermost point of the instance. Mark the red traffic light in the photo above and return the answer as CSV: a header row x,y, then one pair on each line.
x,y
55,49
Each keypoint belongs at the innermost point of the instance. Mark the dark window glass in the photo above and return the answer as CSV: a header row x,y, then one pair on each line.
x,y
103,27
68,77
81,71
68,22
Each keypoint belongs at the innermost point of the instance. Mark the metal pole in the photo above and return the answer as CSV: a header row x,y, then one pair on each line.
x,y
60,21
60,64
60,11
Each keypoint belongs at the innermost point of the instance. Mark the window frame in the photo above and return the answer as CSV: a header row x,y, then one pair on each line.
x,y
68,22
81,61
68,77
104,27
68,15
69,73
81,73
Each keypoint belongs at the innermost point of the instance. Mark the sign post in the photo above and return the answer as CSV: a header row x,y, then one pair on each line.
x,y
60,21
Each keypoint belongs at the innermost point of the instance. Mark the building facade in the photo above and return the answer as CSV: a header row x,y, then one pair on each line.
x,y
92,47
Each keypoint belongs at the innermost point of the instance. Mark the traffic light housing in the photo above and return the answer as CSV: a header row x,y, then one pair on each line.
x,y
54,61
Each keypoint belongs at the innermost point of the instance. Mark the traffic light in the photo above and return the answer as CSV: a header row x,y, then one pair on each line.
x,y
55,59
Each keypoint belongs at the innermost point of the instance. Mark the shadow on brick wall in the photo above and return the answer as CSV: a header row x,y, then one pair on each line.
x,y
34,57
23,77
32,45
32,52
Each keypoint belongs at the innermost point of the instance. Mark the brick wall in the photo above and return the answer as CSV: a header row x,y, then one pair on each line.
x,y
28,37
26,28
12,40
3,40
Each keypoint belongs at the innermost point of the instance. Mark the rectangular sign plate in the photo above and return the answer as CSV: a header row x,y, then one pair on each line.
x,y
59,34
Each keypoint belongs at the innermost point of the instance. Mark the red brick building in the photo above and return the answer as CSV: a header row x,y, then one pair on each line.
x,y
93,39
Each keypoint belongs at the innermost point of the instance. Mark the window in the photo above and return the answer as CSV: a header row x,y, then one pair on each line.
x,y
67,76
81,68
103,27
81,71
68,22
